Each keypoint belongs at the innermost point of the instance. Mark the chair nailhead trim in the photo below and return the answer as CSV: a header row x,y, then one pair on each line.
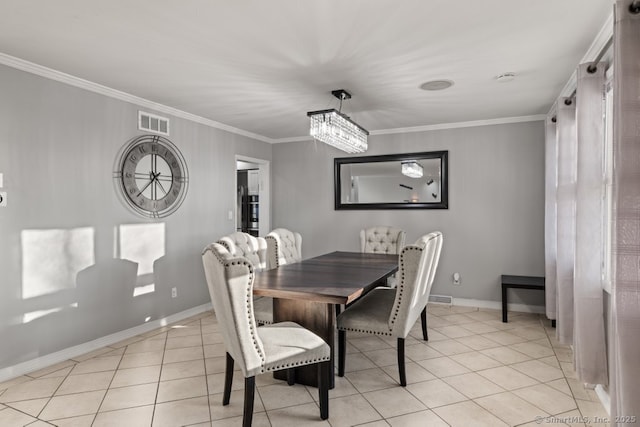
x,y
301,363
401,285
249,300
366,331
275,245
252,330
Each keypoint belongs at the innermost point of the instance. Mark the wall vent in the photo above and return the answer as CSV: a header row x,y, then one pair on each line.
x,y
152,123
441,299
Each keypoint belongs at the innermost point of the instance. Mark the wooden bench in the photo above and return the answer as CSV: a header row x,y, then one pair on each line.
x,y
519,282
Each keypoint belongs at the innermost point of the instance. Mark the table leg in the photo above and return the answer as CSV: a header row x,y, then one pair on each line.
x,y
318,318
504,303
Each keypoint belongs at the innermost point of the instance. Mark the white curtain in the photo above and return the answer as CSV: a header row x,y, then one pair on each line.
x,y
589,347
550,221
566,225
625,342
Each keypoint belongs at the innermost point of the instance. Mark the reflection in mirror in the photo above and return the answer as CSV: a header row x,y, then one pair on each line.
x,y
416,180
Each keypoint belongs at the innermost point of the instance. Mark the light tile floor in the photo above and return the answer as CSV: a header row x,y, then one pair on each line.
x,y
473,371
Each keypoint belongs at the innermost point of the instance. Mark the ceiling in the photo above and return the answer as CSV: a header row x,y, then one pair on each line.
x,y
259,65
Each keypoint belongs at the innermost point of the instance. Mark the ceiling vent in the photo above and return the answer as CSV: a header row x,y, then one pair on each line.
x,y
152,123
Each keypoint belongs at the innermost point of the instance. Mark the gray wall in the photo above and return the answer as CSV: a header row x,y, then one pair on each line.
x,y
63,229
494,224
61,232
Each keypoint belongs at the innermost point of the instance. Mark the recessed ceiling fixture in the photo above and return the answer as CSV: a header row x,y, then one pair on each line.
x,y
436,85
337,129
506,77
412,169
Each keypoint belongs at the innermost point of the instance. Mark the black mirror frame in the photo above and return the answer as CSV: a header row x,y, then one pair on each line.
x,y
444,190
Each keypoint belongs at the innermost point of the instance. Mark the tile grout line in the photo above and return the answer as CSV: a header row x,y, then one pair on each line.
x,y
493,394
95,415
55,391
525,331
206,375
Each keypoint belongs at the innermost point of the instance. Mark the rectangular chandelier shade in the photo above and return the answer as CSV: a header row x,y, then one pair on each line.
x,y
338,130
412,169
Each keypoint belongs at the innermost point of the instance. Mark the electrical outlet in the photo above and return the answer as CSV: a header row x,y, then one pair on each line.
x,y
456,278
174,292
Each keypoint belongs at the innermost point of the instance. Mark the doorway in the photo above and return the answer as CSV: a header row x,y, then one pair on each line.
x,y
253,207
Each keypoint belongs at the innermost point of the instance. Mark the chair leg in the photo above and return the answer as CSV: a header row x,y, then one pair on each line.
x,y
423,318
291,376
228,380
401,370
342,344
323,388
249,390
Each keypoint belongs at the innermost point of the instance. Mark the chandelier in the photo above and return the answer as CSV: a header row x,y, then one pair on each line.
x,y
337,129
412,169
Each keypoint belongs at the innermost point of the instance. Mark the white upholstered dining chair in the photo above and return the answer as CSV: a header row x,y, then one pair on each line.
x,y
382,239
253,249
283,247
393,312
257,350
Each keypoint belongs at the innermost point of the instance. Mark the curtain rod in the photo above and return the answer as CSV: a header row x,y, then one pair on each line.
x,y
634,8
594,67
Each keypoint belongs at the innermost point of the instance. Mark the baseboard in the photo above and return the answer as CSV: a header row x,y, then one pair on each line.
x,y
497,305
71,352
604,397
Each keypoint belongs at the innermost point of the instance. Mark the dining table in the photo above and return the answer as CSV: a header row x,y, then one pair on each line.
x,y
307,292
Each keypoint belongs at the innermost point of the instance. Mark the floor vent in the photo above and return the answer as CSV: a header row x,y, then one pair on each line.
x,y
441,299
152,123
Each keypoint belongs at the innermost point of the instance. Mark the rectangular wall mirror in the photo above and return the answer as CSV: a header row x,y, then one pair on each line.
x,y
392,181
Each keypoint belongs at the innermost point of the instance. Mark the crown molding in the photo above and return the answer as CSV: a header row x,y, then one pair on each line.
x,y
455,125
440,126
292,139
59,76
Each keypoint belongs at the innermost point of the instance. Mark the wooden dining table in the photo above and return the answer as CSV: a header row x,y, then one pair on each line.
x,y
307,292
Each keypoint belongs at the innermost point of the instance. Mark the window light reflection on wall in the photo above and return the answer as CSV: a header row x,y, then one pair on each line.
x,y
51,261
142,244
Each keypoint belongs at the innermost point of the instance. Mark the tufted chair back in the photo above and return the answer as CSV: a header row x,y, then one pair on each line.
x,y
230,282
382,239
283,247
418,264
245,245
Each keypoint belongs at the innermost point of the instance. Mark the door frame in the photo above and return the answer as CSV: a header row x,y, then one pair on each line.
x,y
264,192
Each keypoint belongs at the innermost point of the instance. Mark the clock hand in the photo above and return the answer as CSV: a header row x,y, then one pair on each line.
x,y
161,186
153,178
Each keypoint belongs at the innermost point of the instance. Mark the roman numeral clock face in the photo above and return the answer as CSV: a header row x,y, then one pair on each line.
x,y
151,176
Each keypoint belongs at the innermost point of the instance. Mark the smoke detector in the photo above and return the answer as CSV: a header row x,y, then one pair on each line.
x,y
506,77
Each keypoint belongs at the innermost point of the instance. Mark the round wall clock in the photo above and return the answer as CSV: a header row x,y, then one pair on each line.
x,y
151,176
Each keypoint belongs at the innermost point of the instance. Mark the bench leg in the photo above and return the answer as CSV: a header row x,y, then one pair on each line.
x,y
504,304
